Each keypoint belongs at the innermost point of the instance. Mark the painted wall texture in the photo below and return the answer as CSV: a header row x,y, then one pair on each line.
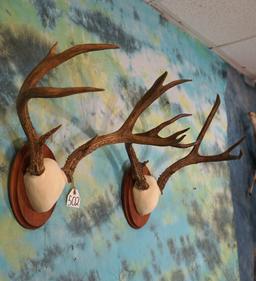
x,y
202,228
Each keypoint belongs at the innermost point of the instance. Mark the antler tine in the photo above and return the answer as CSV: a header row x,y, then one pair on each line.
x,y
47,135
194,157
207,123
172,140
155,131
125,135
29,90
53,59
51,92
151,95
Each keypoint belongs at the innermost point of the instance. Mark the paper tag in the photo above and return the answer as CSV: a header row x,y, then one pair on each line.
x,y
73,199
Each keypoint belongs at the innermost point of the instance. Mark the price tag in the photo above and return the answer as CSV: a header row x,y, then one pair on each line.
x,y
73,198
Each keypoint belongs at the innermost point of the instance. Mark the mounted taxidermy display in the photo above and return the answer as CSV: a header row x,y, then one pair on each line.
x,y
140,190
36,179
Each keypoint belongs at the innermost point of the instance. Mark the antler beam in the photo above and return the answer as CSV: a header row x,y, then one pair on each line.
x,y
195,157
136,167
125,133
35,188
29,90
140,190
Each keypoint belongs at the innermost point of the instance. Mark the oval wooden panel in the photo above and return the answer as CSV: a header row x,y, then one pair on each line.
x,y
13,197
21,207
133,218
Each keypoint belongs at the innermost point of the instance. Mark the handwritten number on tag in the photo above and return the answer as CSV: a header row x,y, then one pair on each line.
x,y
73,199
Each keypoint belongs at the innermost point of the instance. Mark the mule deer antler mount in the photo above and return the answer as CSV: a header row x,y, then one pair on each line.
x,y
36,179
141,191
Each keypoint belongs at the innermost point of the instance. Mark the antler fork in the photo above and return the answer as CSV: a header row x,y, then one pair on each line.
x,y
30,90
194,157
125,133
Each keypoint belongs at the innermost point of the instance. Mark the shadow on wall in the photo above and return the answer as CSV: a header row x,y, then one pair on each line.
x,y
242,99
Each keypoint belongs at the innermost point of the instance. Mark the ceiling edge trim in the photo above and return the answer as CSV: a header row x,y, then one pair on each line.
x,y
169,16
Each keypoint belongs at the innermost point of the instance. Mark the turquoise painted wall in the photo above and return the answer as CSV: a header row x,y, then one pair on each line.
x,y
191,235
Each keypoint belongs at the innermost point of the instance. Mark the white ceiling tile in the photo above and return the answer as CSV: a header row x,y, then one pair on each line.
x,y
219,22
242,55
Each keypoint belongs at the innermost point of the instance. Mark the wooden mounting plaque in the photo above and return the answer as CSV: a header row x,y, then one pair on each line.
x,y
134,219
22,210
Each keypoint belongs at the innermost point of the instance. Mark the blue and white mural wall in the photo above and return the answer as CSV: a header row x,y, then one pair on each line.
x,y
201,229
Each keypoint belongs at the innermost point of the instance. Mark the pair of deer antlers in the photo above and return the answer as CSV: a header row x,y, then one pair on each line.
x,y
124,134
